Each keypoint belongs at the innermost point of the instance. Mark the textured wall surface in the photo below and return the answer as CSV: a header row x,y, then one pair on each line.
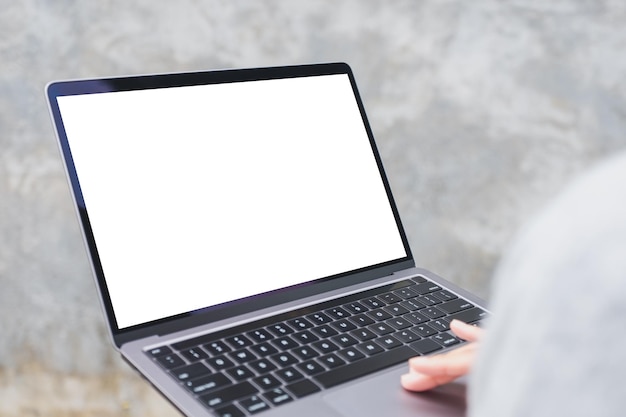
x,y
482,110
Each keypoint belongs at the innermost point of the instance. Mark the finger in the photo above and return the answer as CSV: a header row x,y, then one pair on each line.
x,y
466,331
453,364
420,382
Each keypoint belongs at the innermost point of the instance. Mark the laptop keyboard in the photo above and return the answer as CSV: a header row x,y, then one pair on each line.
x,y
270,362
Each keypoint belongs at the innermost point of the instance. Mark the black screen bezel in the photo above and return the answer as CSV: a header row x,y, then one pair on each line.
x,y
237,307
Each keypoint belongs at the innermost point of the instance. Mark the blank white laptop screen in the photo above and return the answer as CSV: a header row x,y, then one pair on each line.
x,y
200,195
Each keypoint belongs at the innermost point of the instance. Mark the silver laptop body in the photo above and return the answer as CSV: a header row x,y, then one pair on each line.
x,y
246,246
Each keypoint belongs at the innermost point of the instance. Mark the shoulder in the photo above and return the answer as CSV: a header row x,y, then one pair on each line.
x,y
560,283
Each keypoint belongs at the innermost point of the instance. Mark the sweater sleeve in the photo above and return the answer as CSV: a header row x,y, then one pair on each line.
x,y
556,344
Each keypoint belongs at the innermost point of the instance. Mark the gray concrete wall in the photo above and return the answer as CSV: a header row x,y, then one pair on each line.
x,y
482,111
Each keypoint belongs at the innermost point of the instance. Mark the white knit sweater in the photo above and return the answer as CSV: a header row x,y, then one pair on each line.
x,y
556,345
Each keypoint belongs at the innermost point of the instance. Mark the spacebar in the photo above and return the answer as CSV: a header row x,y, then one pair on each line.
x,y
365,366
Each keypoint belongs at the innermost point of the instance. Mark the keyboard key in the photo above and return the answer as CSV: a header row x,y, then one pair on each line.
x,y
262,366
254,404
361,320
390,298
398,323
455,306
363,367
194,354
445,339
388,342
324,331
379,314
280,329
319,318
331,361
381,329
337,313
284,359
263,349
240,373
432,312
444,295
415,318
406,336
412,304
355,308
425,346
425,288
311,367
300,323
423,330
260,335
289,375
344,340
305,352
343,325
229,411
325,346
242,356
220,362
266,382
302,388
160,351
428,300
277,396
239,341
373,302
469,316
370,348
440,325
285,343
305,337
216,348
170,361
363,334
419,279
396,309
351,354
207,383
192,371
228,394
406,293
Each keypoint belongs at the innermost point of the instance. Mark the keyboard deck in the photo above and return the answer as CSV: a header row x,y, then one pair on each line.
x,y
253,367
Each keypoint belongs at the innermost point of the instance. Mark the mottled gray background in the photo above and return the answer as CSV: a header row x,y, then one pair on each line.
x,y
482,111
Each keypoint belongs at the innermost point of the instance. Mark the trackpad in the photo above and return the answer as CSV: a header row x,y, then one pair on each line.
x,y
382,395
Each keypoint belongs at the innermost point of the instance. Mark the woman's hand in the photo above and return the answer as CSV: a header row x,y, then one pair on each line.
x,y
427,372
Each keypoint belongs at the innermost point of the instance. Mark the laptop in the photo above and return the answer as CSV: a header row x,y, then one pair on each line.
x,y
246,246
